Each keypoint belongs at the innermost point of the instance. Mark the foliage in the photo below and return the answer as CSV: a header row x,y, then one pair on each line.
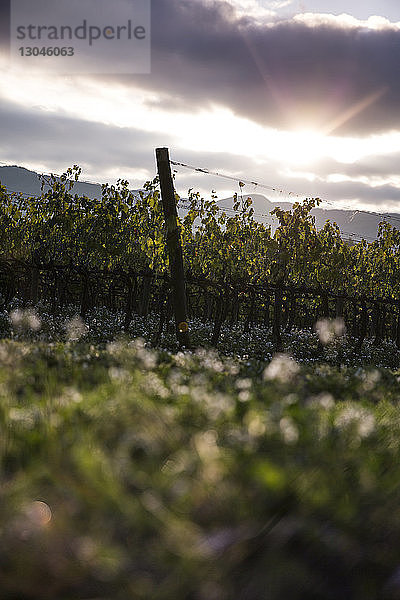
x,y
127,229
157,475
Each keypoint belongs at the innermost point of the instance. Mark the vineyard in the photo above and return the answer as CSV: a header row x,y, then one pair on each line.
x,y
112,252
260,461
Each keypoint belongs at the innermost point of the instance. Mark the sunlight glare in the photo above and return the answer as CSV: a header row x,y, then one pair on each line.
x,y
213,130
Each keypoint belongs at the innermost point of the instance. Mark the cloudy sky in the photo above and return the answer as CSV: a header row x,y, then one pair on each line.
x,y
302,96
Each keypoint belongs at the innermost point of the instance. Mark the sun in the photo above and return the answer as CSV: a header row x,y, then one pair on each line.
x,y
299,147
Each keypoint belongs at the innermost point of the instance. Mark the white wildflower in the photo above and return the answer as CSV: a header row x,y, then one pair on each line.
x,y
244,396
243,384
358,417
206,444
324,400
256,424
147,358
328,329
289,430
23,416
76,328
25,319
370,379
282,367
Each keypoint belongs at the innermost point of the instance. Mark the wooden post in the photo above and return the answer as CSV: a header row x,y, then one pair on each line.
x,y
174,246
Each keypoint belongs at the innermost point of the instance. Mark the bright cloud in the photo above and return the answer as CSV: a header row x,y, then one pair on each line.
x,y
345,21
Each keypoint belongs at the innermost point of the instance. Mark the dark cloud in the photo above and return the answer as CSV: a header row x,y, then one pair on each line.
x,y
345,191
278,76
368,166
4,25
342,80
36,135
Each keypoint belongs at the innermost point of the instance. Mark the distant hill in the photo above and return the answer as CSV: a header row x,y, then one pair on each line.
x,y
352,224
19,179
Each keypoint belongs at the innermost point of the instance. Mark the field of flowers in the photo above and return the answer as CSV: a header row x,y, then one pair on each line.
x,y
132,472
327,343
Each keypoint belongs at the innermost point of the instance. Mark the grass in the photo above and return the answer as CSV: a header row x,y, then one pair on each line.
x,y
128,472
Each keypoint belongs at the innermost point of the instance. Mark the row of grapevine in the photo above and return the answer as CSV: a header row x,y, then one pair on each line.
x,y
281,308
70,247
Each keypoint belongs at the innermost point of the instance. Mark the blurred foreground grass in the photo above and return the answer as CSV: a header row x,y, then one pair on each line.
x,y
129,473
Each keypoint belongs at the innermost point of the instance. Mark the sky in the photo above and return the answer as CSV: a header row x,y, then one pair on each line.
x,y
300,96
